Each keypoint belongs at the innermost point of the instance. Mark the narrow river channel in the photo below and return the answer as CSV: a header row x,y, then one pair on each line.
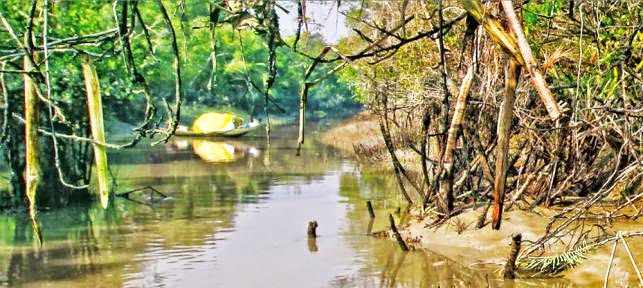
x,y
236,216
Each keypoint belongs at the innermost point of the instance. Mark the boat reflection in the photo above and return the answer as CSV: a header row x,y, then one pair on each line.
x,y
214,151
223,151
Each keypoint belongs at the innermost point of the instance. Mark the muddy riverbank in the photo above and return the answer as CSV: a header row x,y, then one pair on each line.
x,y
458,238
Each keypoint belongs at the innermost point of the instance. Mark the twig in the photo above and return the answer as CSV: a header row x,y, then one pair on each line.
x,y
629,253
174,122
72,137
609,265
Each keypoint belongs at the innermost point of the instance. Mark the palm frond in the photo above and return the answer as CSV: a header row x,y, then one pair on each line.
x,y
558,263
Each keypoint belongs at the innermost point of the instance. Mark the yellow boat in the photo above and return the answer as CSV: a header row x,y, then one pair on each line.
x,y
219,124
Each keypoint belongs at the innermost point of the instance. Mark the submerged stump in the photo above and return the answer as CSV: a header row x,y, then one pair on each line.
x,y
312,228
312,236
510,266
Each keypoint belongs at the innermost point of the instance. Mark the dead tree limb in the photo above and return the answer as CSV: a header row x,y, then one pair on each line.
x,y
397,235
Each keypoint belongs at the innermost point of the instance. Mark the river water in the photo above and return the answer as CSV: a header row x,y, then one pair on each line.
x,y
235,216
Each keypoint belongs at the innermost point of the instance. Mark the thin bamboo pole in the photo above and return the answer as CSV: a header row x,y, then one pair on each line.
x,y
214,19
95,107
512,73
32,166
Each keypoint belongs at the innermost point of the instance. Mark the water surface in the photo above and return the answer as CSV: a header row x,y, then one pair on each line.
x,y
236,216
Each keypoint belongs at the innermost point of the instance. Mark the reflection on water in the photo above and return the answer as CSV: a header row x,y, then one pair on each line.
x,y
238,223
215,151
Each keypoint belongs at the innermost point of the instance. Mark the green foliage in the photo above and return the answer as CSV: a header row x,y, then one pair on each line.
x,y
241,63
237,68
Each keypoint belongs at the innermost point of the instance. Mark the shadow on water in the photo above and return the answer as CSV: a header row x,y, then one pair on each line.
x,y
232,219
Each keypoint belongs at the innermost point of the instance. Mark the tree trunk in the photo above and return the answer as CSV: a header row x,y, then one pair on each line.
x,y
388,141
446,198
512,73
95,107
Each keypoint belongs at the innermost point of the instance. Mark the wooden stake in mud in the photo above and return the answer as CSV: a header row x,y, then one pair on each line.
x,y
397,235
483,216
371,213
312,245
512,73
369,227
510,266
369,206
95,107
